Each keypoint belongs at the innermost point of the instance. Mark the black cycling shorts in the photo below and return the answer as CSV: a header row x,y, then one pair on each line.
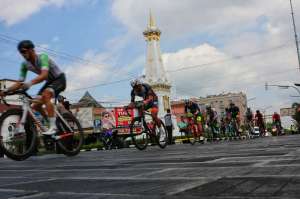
x,y
57,85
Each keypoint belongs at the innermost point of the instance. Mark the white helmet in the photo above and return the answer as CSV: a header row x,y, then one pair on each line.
x,y
135,82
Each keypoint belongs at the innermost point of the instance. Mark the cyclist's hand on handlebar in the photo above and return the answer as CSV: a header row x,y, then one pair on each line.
x,y
26,85
2,93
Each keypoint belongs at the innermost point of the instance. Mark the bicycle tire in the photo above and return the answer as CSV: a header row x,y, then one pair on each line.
x,y
140,140
158,134
30,133
67,144
191,138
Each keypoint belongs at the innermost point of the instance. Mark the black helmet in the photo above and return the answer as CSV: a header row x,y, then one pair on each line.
x,y
27,44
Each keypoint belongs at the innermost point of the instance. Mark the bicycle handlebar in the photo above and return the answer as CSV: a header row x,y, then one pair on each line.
x,y
20,92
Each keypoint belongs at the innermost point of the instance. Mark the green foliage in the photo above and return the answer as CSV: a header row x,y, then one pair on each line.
x,y
93,145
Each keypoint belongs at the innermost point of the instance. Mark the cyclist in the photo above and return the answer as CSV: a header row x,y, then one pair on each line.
x,y
193,111
48,72
276,120
234,112
249,120
249,116
260,122
150,99
212,120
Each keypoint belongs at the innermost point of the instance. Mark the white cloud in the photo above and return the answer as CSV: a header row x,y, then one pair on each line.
x,y
239,27
15,11
248,74
100,68
179,18
87,74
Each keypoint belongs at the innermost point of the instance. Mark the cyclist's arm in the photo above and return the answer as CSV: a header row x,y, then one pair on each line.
x,y
14,87
150,97
185,109
18,84
132,96
45,70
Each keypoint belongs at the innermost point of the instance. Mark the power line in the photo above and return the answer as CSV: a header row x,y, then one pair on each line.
x,y
101,84
232,58
55,53
69,56
182,90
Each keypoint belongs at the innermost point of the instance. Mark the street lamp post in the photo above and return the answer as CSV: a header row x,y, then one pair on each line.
x,y
295,31
282,86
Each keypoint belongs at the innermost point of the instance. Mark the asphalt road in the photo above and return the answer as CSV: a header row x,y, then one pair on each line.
x,y
256,168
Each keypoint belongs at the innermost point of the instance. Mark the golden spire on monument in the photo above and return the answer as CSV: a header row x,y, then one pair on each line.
x,y
152,32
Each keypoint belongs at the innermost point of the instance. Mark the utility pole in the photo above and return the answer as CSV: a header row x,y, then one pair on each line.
x,y
295,31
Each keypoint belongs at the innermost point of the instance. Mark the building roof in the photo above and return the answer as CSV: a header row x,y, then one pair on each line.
x,y
87,101
10,80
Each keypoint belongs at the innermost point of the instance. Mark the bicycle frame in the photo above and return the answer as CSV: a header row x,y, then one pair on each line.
x,y
27,109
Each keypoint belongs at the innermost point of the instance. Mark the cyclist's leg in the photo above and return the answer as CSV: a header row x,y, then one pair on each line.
x,y
154,114
49,91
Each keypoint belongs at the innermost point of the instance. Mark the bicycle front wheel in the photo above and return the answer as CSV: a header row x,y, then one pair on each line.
x,y
15,144
190,135
139,134
70,134
161,135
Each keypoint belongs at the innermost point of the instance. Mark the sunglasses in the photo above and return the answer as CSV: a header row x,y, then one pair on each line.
x,y
23,51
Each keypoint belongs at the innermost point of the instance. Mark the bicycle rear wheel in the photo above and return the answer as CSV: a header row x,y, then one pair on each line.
x,y
71,135
161,135
191,137
17,145
139,133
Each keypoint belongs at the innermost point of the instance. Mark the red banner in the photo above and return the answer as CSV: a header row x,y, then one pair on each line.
x,y
122,117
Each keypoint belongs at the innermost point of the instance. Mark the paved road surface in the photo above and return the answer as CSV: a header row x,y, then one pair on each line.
x,y
257,168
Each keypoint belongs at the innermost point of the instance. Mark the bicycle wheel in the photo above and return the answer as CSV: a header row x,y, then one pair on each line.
x,y
17,145
161,135
191,135
71,135
139,133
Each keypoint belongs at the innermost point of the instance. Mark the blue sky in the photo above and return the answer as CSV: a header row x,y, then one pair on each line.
x,y
194,32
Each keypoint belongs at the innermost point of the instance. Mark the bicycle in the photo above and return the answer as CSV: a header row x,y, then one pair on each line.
x,y
232,128
20,145
143,129
110,139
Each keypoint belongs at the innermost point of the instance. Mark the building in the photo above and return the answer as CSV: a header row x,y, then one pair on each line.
x,y
222,101
88,111
218,102
155,73
6,83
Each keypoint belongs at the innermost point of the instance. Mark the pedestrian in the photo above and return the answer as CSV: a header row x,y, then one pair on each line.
x,y
183,125
169,126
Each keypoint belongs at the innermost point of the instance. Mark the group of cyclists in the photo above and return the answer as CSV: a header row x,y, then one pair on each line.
x,y
207,122
198,121
257,119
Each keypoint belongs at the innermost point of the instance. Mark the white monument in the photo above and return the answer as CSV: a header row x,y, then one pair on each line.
x,y
155,74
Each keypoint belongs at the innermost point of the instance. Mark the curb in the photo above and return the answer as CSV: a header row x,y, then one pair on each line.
x,y
179,141
208,140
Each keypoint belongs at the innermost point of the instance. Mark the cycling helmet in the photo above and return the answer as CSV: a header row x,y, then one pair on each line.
x,y
135,82
27,44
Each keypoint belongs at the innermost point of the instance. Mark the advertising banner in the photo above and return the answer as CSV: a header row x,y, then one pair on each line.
x,y
122,118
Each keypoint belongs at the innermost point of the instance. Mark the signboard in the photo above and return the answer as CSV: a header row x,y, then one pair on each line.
x,y
287,112
122,118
